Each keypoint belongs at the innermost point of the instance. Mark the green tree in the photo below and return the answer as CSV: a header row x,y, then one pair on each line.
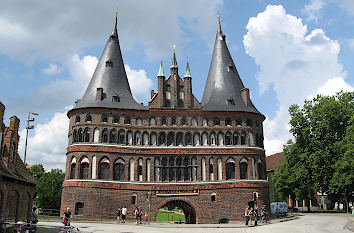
x,y
49,189
36,171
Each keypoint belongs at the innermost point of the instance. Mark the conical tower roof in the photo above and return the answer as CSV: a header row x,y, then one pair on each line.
x,y
188,71
223,87
161,71
111,77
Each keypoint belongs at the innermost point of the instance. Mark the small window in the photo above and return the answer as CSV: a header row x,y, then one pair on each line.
x,y
168,104
79,208
109,63
173,121
228,121
249,122
238,122
181,95
216,121
134,199
213,197
127,120
139,121
88,118
184,121
194,122
77,119
115,119
168,95
205,122
104,118
152,121
230,102
115,98
163,120
180,104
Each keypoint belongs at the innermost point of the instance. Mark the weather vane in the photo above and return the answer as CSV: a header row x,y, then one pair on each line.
x,y
174,47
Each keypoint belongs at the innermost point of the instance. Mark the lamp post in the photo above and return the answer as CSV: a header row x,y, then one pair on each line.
x,y
27,128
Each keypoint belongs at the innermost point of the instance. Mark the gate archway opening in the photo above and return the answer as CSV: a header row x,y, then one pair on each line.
x,y
188,210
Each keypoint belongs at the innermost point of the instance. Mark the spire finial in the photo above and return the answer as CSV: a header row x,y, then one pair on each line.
x,y
114,32
161,71
174,60
188,71
219,24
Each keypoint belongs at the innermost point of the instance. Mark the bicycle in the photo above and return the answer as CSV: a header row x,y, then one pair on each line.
x,y
3,226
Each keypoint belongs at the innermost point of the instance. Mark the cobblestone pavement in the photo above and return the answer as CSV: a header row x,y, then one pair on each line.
x,y
304,223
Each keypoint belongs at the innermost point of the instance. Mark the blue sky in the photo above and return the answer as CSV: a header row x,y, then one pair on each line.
x,y
285,52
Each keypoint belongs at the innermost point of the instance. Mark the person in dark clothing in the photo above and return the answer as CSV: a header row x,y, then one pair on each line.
x,y
255,212
118,215
67,216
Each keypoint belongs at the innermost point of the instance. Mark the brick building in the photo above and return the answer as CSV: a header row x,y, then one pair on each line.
x,y
16,184
206,157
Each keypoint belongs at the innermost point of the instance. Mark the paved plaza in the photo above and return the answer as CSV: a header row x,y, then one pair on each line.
x,y
304,223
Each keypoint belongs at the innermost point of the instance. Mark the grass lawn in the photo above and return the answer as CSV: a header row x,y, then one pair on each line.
x,y
169,216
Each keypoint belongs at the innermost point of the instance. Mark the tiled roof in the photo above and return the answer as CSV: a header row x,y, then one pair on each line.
x,y
273,161
20,172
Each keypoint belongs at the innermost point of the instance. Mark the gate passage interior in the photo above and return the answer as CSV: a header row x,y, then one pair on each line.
x,y
188,210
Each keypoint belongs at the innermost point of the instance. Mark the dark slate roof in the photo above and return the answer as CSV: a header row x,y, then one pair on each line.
x,y
112,79
223,82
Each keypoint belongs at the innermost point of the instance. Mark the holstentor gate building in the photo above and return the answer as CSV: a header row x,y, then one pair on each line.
x,y
207,157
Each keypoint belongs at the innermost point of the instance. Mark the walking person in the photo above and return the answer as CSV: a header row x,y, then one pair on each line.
x,y
118,215
67,216
140,214
124,214
146,217
255,211
264,214
251,216
33,216
136,213
247,215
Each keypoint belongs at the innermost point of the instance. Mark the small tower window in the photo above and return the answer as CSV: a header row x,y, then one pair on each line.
x,y
213,197
173,121
228,121
77,119
163,120
88,118
139,121
249,122
104,118
152,121
184,121
230,102
115,119
134,198
205,122
109,63
127,120
216,121
115,98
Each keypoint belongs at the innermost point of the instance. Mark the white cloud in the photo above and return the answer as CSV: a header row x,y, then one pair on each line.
x,y
40,29
52,69
295,61
48,145
139,83
333,86
313,9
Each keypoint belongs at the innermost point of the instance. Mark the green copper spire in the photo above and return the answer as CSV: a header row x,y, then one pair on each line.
x,y
161,71
188,71
174,60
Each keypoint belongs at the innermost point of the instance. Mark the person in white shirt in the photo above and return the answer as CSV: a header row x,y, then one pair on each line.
x,y
124,214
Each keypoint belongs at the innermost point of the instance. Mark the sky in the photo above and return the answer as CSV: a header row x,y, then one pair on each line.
x,y
285,52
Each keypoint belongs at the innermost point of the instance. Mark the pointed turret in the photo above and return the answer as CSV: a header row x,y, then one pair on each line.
x,y
224,90
174,60
109,86
188,71
161,71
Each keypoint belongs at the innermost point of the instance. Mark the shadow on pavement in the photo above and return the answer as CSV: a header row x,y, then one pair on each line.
x,y
47,229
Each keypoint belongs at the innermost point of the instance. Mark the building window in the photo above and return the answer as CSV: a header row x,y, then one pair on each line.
x,y
180,104
188,139
77,119
179,169
179,139
205,122
260,170
230,102
235,138
228,121
140,170
88,118
103,169
115,119
152,121
163,121
213,197
134,195
84,170
96,135
216,121
184,121
109,63
164,169
118,170
113,136
194,122
171,173
87,135
121,137
104,118
228,139
186,169
173,121
75,135
72,171
168,104
127,120
243,138
168,95
104,135
115,98
249,122
162,139
238,122
139,121
79,135
79,208
211,169
230,169
170,139
243,170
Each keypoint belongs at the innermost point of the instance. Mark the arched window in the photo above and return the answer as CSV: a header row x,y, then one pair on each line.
x,y
104,118
235,138
127,120
243,169
260,170
205,139
113,136
228,121
211,169
228,139
230,169
170,139
168,95
131,170
194,169
115,119
80,135
88,118
238,122
243,138
140,169
179,169
205,121
164,169
184,121
103,169
139,121
121,137
186,168
75,135
118,170
171,172
96,135
87,135
249,122
168,103
196,139
145,138
261,140
216,121
72,170
77,119
137,138
148,169
157,169
130,138
220,139
251,138
203,172
134,196
79,209
163,121
173,121
153,139
212,139
84,169
180,104
194,122
104,138
152,121
213,197
257,140
219,169
179,139
162,139
188,139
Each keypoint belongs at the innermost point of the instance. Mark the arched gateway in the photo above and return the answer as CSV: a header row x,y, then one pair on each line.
x,y
206,157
